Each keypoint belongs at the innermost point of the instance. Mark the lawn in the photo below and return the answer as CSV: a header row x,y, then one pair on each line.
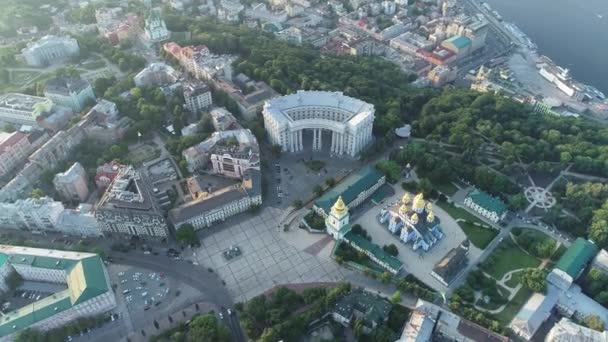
x,y
457,213
514,281
507,257
447,188
506,316
480,237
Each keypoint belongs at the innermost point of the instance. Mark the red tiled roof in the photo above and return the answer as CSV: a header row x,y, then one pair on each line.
x,y
14,138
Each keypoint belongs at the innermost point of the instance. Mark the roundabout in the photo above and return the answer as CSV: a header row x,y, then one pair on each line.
x,y
539,197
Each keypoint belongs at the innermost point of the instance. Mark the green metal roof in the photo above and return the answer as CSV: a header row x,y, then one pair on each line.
x,y
378,252
578,255
350,187
86,279
488,202
3,259
459,41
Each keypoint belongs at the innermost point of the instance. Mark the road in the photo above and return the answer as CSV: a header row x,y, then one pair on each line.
x,y
207,283
231,321
494,22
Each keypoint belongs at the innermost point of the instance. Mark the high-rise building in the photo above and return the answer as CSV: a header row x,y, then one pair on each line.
x,y
72,184
128,207
197,96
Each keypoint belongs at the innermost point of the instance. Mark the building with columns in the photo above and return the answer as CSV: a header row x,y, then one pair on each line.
x,y
345,121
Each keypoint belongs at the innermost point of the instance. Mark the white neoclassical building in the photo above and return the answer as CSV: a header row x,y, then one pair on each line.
x,y
348,120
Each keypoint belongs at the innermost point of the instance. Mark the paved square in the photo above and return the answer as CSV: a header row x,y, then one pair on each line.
x,y
267,259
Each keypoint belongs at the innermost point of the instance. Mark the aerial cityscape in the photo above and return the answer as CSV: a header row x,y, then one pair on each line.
x,y
298,170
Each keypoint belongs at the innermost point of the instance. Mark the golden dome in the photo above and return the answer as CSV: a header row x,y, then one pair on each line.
x,y
430,217
339,207
419,201
406,198
414,218
429,207
403,209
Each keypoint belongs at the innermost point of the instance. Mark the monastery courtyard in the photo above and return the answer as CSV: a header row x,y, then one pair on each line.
x,y
419,262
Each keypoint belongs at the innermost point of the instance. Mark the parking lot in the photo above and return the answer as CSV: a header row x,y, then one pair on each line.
x,y
143,290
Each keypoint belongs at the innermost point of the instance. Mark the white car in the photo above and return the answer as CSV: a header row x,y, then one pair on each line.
x,y
229,312
221,316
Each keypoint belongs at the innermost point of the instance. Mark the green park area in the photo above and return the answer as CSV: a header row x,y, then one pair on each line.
x,y
513,307
480,236
447,188
21,77
507,257
94,65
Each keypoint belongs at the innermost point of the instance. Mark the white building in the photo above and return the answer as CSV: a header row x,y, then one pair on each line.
x,y
155,29
32,214
156,74
80,221
197,97
128,207
347,121
72,184
567,331
50,49
485,205
260,12
229,10
88,293
69,92
231,153
21,109
221,204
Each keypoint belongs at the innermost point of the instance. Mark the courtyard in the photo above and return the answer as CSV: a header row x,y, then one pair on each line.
x,y
418,263
266,259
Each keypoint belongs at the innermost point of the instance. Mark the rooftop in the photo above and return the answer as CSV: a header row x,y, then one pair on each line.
x,y
75,172
350,187
85,278
488,202
10,139
374,308
567,331
459,41
378,252
22,102
578,255
128,191
65,85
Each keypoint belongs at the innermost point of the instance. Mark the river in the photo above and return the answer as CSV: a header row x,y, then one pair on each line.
x,y
574,33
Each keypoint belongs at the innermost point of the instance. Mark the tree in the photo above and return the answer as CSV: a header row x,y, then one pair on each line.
x,y
391,170
518,202
395,298
330,181
594,322
317,190
276,150
37,193
207,328
386,277
187,235
13,280
9,127
297,204
534,279
391,249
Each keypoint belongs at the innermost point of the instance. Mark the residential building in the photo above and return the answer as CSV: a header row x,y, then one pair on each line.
x,y
80,221
459,45
32,214
567,331
291,35
415,222
71,92
452,264
230,10
259,11
230,153
354,189
16,147
199,62
600,261
88,293
72,184
208,209
197,96
128,207
430,322
371,309
21,109
50,49
155,29
486,205
156,74
349,120
223,120
103,124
